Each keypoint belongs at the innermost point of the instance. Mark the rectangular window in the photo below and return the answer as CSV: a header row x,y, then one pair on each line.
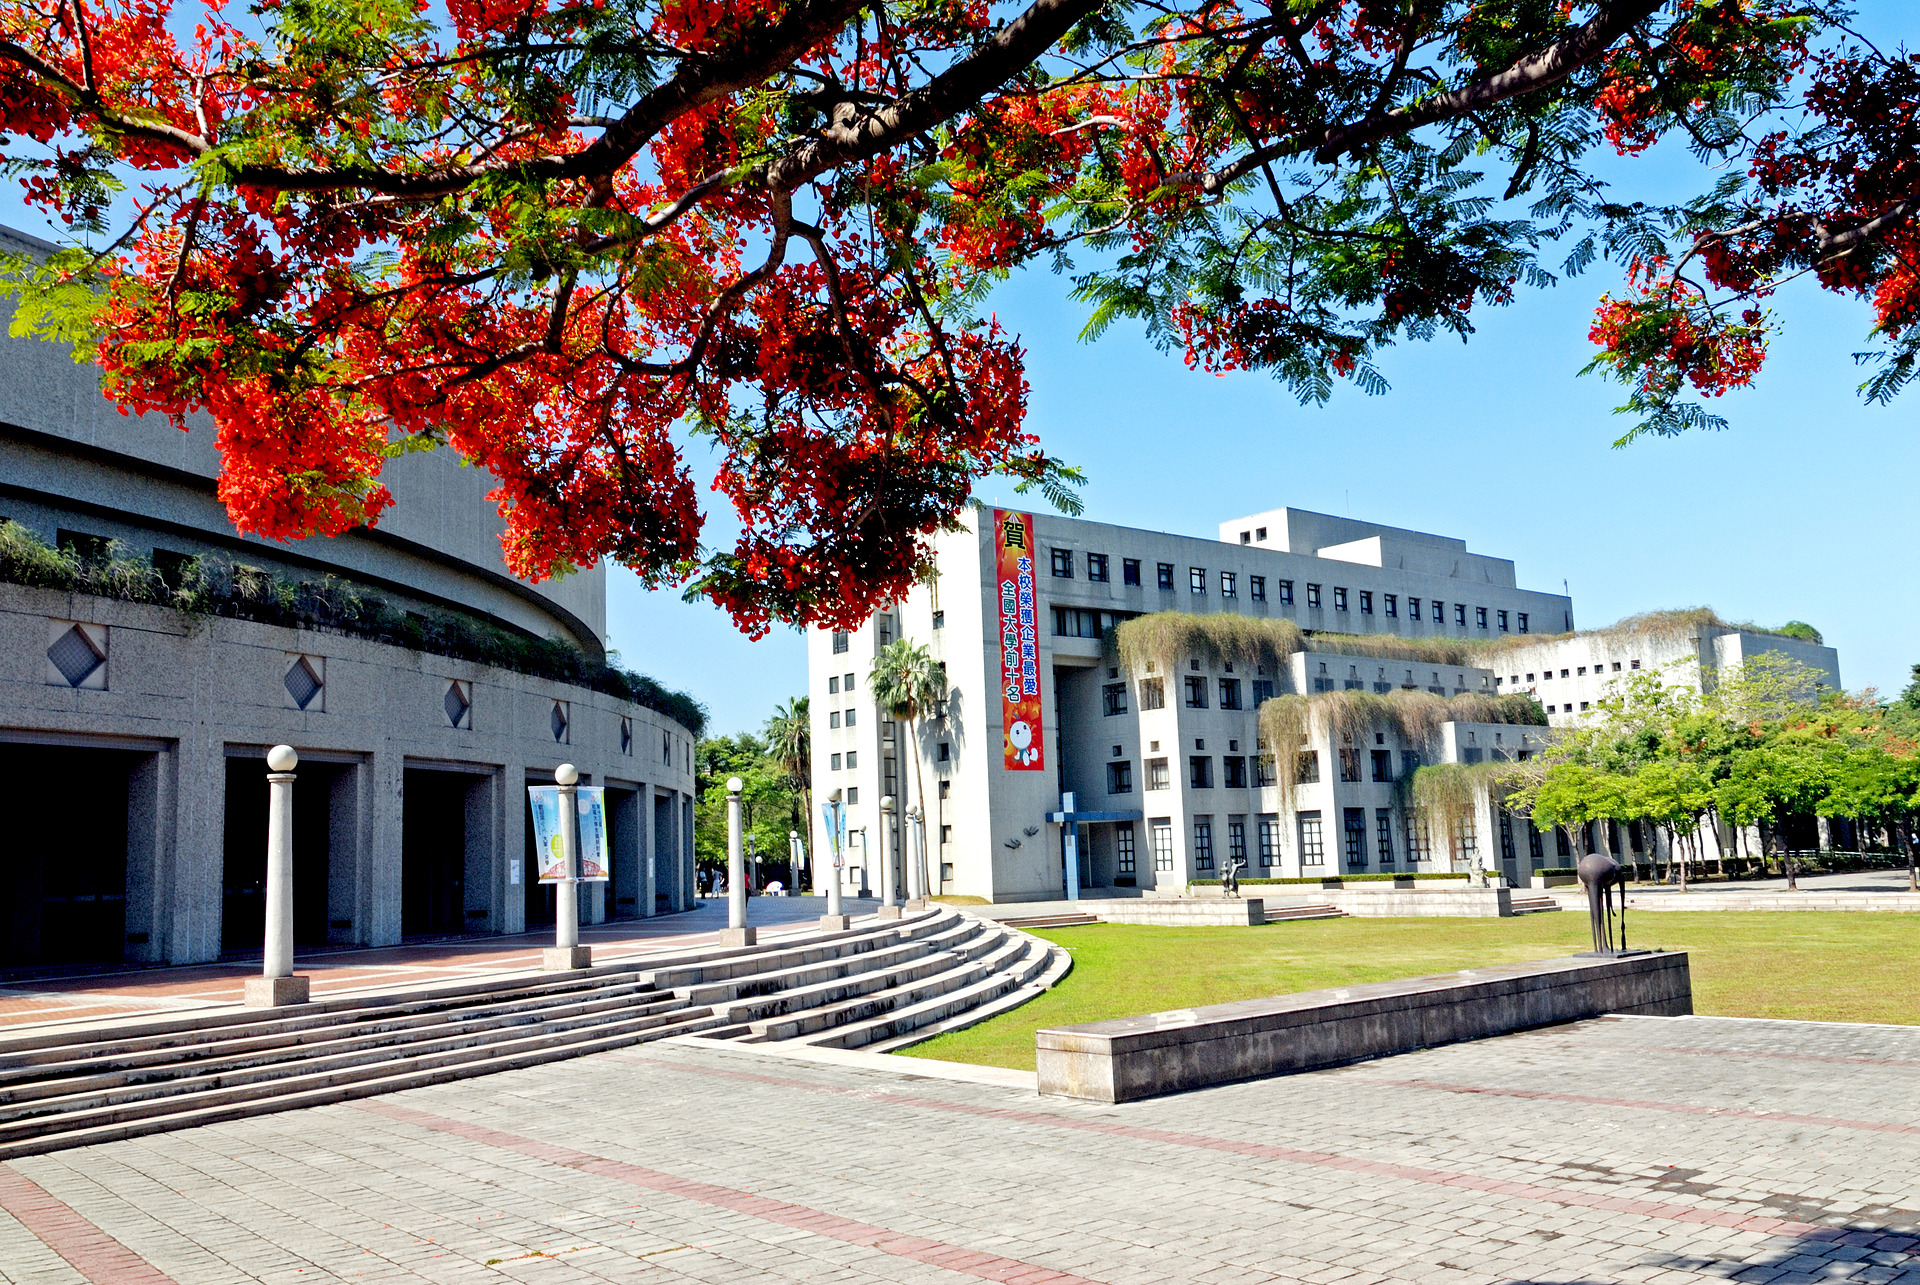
x,y
1237,840
1506,836
1383,765
1197,579
1286,592
833,718
1465,841
1390,603
1349,765
1440,612
1339,598
850,714
1460,614
1413,609
1522,619
833,685
946,837
1063,563
1123,847
1257,588
1306,767
1262,691
1233,772
1503,622
1229,693
946,751
1165,574
1097,567
1313,596
1113,699
1366,603
834,763
1355,823
1077,622
1383,836
1480,617
1534,852
853,759
1312,848
1130,574
1263,774
1269,842
839,641
1161,836
1153,694
1418,849
1120,778
1200,771
1157,774
853,794
1229,585
1196,691
1203,843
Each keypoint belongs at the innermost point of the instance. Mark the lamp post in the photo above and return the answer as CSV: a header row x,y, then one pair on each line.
x,y
567,952
889,889
276,984
736,933
916,860
834,814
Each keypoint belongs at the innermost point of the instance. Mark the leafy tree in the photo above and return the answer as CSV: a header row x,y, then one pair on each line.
x,y
907,683
548,233
790,744
766,805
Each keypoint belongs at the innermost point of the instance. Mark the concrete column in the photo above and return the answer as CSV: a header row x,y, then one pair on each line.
x,y
567,952
511,852
151,821
478,809
647,884
346,857
277,985
737,933
194,893
688,891
889,888
386,776
666,847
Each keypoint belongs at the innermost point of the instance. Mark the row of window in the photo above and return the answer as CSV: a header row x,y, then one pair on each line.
x,y
1546,676
1197,581
1376,764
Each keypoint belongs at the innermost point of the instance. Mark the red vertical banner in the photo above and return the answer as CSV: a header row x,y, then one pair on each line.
x,y
1019,642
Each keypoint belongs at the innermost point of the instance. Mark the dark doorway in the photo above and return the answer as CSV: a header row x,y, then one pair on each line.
x,y
628,884
63,871
243,902
433,853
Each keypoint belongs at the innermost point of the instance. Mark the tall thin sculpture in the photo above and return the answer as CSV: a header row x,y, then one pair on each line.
x,y
1600,875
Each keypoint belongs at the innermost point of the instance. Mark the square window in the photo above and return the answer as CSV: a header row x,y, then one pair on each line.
x,y
839,641
1260,533
1200,771
1233,771
1263,773
1164,572
1583,671
1120,778
1229,585
1063,564
1153,694
1157,774
1339,598
1313,597
1113,699
1246,537
1616,666
1306,767
1097,567
1262,691
1229,693
1196,691
1366,603
1197,579
1130,574
1257,588
1383,765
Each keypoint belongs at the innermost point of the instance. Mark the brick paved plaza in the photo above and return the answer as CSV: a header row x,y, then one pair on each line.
x,y
1624,1149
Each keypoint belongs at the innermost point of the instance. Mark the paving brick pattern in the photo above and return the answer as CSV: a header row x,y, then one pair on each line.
x,y
1620,1150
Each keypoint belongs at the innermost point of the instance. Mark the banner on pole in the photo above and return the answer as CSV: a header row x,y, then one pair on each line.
x,y
595,860
1020,701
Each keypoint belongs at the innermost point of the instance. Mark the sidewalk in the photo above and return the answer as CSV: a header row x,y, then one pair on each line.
x,y
76,996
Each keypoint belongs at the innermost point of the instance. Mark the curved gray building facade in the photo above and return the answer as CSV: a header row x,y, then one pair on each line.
x,y
132,736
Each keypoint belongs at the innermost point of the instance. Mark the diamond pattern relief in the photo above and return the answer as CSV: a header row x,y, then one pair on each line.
x,y
456,704
559,721
75,656
626,736
302,683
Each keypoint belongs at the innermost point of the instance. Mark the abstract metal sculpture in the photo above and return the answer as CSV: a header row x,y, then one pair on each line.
x,y
1600,875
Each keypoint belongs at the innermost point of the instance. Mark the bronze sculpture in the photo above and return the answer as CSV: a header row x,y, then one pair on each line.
x,y
1600,875
1230,878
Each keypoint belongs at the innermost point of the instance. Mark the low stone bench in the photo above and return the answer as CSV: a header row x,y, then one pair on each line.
x,y
1140,1057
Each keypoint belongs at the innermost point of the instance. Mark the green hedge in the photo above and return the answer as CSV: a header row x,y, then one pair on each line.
x,y
218,586
1320,879
1557,870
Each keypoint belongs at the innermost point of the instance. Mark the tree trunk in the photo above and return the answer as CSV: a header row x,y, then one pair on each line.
x,y
1903,829
1690,838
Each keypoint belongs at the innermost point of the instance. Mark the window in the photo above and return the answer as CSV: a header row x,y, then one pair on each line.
x,y
850,714
1339,598
1366,603
1465,842
1257,588
1229,585
1418,847
1390,603
1237,840
1306,767
1349,765
1196,691
1120,778
1313,596
1097,567
1535,853
834,763
1616,666
853,794
1632,664
1123,847
946,837
1383,835
839,641
846,684
1153,694
1200,771
833,718
1063,563
945,788
1312,850
1161,836
1233,772
1076,622
946,751
1506,836
1355,823
1203,843
1229,693
1480,617
1269,842
1413,609
1262,691
939,620
1583,671
1156,774
1460,614
853,759
1286,592
1130,574
1503,622
1440,612
833,684
1197,579
1165,574
1263,774
1383,765
1522,619
1113,699
1246,537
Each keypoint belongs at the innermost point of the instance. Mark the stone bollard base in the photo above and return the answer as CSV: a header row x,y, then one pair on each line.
x,y
889,912
559,959
917,903
835,923
276,992
739,936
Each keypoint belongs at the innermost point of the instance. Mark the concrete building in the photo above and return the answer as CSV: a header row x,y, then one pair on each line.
x,y
1167,770
133,735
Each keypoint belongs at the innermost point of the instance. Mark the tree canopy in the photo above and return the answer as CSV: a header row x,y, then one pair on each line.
x,y
549,233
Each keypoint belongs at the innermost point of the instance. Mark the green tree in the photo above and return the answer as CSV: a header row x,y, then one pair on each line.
x,y
790,742
766,803
906,682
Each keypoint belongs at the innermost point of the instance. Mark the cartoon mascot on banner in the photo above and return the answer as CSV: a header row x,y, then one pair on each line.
x,y
1020,737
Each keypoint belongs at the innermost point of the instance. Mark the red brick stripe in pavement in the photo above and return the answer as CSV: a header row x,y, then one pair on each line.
x,y
955,1258
1758,1223
1642,1104
1855,1059
94,1254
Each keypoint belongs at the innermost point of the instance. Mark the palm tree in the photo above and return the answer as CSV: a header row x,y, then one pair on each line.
x,y
906,682
790,742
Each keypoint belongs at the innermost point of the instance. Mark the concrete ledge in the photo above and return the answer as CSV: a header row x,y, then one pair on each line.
x,y
1140,1057
1223,912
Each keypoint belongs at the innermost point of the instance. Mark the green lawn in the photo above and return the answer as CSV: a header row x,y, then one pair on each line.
x,y
1832,966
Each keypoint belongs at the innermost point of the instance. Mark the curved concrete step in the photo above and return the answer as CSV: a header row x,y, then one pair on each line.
x,y
1032,960
1280,914
777,986
1059,964
966,943
961,971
